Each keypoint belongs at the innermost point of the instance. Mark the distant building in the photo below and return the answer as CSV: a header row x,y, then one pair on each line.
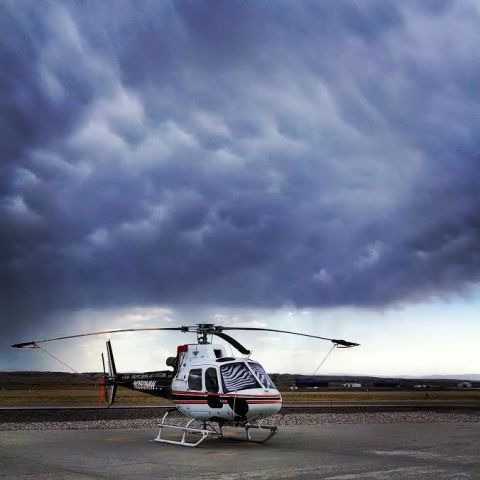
x,y
351,385
464,385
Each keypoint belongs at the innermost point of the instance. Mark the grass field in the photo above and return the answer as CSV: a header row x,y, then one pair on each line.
x,y
88,394
77,395
461,396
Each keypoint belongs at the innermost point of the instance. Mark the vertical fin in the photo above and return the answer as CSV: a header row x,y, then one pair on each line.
x,y
111,387
111,361
111,393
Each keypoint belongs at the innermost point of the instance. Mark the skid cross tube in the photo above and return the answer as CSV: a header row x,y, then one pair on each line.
x,y
203,433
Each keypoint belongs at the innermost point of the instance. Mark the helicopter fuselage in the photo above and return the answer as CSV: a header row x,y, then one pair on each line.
x,y
209,385
206,384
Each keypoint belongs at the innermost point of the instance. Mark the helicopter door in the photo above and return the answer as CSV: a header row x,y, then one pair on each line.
x,y
195,400
212,388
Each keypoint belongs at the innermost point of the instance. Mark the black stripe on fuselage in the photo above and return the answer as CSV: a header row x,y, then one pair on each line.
x,y
152,388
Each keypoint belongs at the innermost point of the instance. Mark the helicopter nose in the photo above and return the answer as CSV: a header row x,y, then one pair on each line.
x,y
264,408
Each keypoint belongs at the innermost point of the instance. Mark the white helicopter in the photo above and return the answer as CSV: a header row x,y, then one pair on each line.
x,y
206,384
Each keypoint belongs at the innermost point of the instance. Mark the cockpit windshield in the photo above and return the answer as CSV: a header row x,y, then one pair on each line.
x,y
236,376
261,374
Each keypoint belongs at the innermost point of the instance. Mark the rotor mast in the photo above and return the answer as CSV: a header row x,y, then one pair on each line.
x,y
203,330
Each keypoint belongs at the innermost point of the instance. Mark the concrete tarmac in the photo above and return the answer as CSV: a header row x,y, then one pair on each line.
x,y
340,452
424,404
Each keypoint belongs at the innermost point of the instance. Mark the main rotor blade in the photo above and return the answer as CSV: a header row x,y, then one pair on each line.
x,y
233,342
336,341
33,343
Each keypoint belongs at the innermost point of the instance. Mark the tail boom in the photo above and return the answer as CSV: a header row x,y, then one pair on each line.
x,y
158,384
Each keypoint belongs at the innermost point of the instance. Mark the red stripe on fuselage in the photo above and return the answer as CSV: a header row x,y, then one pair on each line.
x,y
190,402
233,395
204,402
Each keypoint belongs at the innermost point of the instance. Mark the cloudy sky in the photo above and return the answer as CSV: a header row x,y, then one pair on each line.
x,y
311,166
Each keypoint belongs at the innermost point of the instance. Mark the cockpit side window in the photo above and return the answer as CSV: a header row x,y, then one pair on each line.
x,y
261,374
211,380
195,379
236,376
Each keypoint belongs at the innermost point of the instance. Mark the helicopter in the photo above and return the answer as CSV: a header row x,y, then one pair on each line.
x,y
205,383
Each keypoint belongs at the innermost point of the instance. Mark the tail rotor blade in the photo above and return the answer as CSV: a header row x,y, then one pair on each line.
x,y
102,393
103,363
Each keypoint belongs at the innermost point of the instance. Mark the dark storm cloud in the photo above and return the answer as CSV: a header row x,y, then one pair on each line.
x,y
315,153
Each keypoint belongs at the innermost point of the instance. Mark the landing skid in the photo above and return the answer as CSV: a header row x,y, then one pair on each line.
x,y
209,430
271,429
